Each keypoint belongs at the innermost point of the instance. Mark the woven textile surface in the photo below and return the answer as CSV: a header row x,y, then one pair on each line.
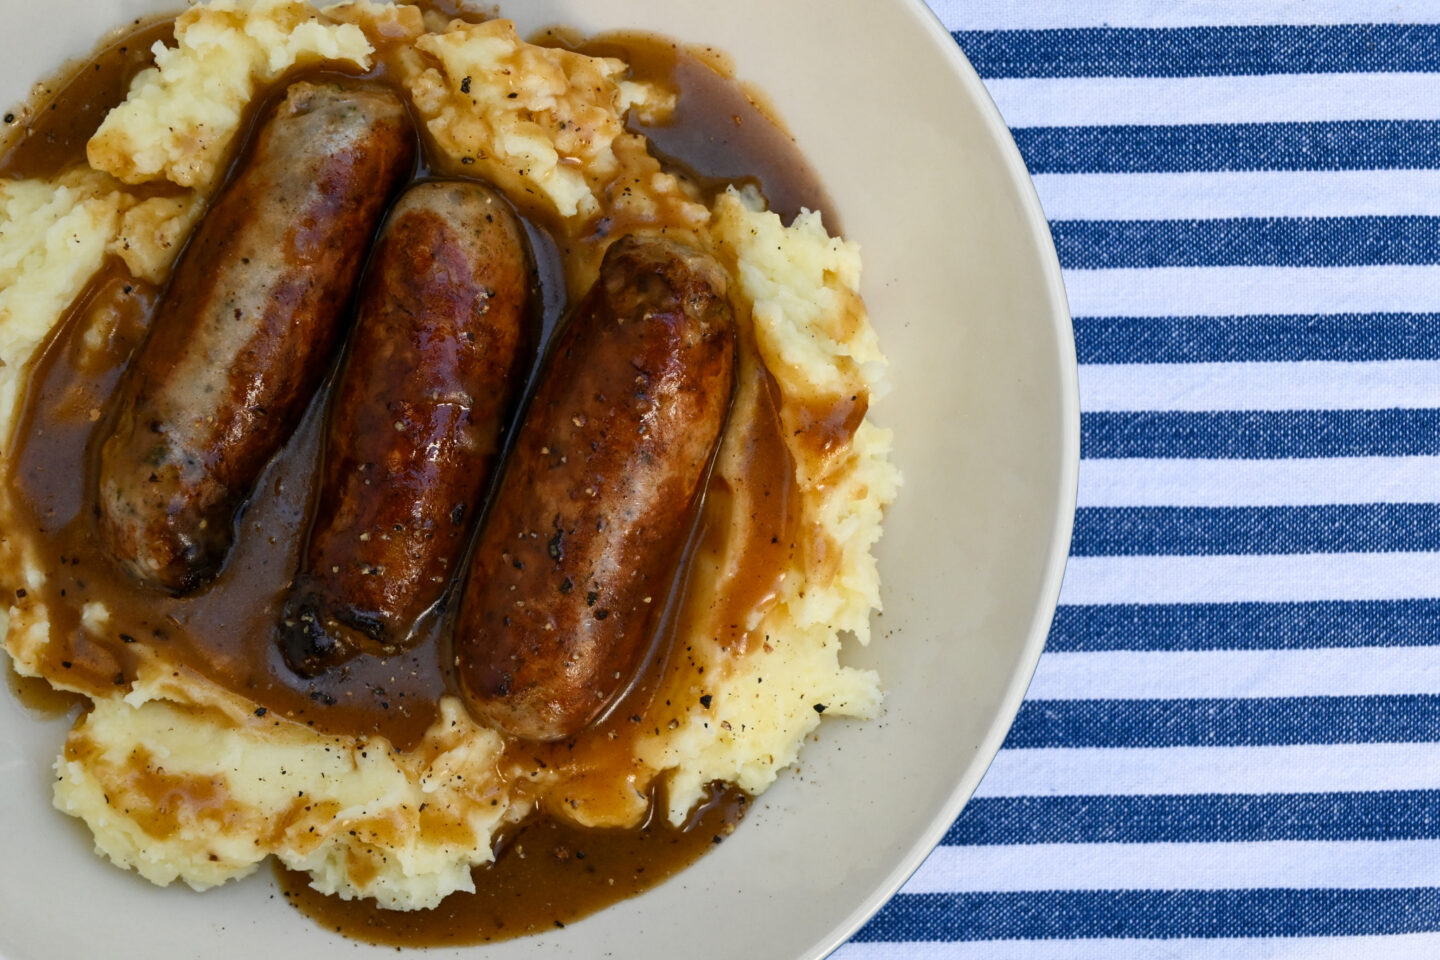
x,y
1231,747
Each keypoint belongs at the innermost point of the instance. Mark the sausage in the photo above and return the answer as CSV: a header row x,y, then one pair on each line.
x,y
585,534
244,334
416,421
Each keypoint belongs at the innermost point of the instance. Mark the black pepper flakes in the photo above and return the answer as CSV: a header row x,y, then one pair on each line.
x,y
465,85
261,711
590,598
20,593
819,708
126,638
705,701
567,585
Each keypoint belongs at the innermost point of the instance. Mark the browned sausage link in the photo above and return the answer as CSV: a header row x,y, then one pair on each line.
x,y
584,537
246,330
416,421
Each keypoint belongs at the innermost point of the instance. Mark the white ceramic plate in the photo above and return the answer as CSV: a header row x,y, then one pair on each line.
x,y
964,288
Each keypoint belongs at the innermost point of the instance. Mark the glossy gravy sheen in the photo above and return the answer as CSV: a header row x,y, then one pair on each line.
x,y
546,875
550,872
36,695
54,127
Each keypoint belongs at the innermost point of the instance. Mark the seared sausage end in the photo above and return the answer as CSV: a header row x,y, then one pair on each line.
x,y
312,640
162,518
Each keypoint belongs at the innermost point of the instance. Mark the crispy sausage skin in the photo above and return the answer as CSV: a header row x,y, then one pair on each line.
x,y
429,383
247,328
585,533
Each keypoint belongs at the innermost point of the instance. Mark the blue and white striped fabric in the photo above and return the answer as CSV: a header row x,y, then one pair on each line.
x,y
1232,745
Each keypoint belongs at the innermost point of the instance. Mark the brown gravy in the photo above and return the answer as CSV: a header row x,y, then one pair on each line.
x,y
546,874
719,134
51,130
225,632
36,695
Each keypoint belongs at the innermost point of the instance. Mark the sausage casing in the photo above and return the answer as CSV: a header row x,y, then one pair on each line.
x,y
585,534
428,386
245,332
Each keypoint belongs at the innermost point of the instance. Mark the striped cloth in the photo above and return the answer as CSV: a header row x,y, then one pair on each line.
x,y
1231,747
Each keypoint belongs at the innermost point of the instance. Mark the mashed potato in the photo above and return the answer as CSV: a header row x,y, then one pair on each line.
x,y
164,795
179,778
53,237
524,115
816,340
181,115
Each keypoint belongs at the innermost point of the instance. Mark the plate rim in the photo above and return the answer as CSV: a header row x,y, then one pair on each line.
x,y
1060,318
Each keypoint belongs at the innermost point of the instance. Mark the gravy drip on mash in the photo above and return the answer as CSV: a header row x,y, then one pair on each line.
x,y
545,875
547,872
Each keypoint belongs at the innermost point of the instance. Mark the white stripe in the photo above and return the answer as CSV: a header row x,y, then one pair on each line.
x,y
1332,864
1283,98
1217,195
1302,385
1258,483
1410,946
1045,14
1326,672
1249,291
1303,768
1264,578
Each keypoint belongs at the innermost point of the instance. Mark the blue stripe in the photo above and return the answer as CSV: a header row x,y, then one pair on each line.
x,y
1326,145
1341,336
1199,818
1202,51
1152,914
1249,722
1260,435
1247,242
1205,531
1244,626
